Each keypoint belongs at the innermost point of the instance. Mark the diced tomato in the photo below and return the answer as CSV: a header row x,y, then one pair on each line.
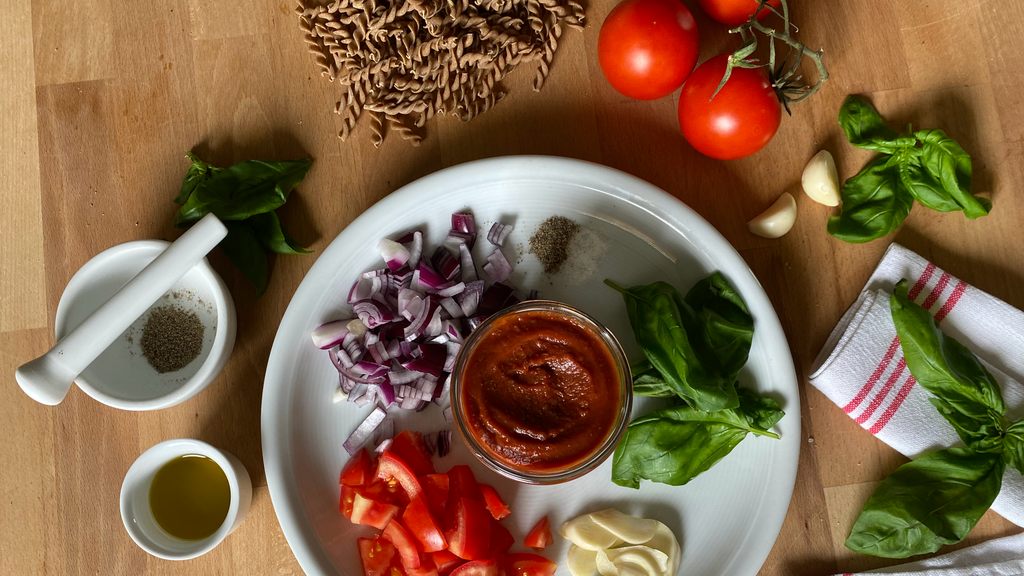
x,y
526,564
376,555
540,536
435,488
392,467
357,471
423,527
488,567
382,491
462,484
369,512
501,538
426,568
409,447
495,505
470,536
445,561
399,536
348,495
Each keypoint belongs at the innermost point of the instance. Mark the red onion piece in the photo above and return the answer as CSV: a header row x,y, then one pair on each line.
x,y
498,267
453,351
447,412
469,299
363,432
394,254
386,431
330,334
499,233
444,443
462,222
415,249
452,307
432,361
452,290
372,313
384,446
467,266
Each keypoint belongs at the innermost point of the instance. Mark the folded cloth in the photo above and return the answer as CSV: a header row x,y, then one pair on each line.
x,y
1000,557
861,368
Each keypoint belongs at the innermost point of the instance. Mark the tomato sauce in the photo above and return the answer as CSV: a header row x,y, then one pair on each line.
x,y
541,391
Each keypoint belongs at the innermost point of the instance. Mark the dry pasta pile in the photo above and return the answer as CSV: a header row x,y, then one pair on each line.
x,y
402,62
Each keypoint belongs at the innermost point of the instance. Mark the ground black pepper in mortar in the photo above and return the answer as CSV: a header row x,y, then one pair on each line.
x,y
551,242
172,338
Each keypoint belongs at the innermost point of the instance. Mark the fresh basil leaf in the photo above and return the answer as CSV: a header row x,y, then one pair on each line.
x,y
243,190
875,203
1013,446
934,500
268,230
197,172
246,253
919,182
940,364
946,161
655,313
647,381
981,434
675,445
720,325
864,127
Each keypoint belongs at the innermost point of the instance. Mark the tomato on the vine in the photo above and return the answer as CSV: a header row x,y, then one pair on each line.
x,y
740,120
647,48
735,12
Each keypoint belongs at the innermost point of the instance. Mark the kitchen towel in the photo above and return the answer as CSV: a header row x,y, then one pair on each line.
x,y
861,368
1000,557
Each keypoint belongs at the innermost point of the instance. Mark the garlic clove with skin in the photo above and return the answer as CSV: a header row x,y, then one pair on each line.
x,y
821,180
776,220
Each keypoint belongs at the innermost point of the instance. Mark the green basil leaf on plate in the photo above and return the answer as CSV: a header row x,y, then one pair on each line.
x,y
934,500
946,161
1013,446
875,203
864,127
243,190
656,314
720,325
675,445
647,381
246,253
272,236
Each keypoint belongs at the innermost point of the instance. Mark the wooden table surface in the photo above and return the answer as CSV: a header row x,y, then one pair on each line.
x,y
100,99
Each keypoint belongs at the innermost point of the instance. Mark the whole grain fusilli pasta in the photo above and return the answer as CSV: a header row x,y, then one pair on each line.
x,y
403,61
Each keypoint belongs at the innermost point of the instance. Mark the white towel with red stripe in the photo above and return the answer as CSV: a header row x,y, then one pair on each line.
x,y
861,368
1000,557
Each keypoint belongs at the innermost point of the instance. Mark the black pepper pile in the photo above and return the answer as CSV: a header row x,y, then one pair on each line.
x,y
172,338
551,242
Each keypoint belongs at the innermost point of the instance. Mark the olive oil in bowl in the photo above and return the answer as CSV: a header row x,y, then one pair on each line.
x,y
190,497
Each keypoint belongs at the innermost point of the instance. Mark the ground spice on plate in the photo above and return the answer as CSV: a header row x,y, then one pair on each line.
x,y
172,338
551,242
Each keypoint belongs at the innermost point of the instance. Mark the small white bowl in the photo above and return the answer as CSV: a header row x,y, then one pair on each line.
x,y
138,516
122,377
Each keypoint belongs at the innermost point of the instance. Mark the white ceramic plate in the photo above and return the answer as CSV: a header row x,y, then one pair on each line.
x,y
726,519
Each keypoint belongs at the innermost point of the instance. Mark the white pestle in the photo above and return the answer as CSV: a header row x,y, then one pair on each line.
x,y
48,378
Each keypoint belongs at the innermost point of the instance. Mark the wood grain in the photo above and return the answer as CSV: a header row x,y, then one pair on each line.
x,y
100,102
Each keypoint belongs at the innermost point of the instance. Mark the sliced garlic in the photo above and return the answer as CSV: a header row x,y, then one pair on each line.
x,y
582,562
604,565
584,532
650,560
821,180
625,527
665,541
776,220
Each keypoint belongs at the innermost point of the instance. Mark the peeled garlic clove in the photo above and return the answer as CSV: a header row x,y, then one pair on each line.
x,y
821,180
582,562
587,534
651,561
627,528
777,220
605,565
665,541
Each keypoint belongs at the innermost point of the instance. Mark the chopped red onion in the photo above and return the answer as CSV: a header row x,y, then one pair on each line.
x,y
416,249
363,432
499,233
340,358
432,361
453,332
386,392
330,334
456,238
394,254
370,274
429,279
462,222
430,443
495,298
446,264
384,446
400,375
372,313
467,265
447,412
386,431
452,307
469,299
452,290
498,267
362,289
444,443
453,351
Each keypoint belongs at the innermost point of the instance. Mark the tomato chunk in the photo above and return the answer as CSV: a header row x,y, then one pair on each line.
x,y
357,471
445,561
470,537
462,484
501,538
348,495
423,527
487,567
526,564
426,568
495,505
369,512
375,555
399,536
392,467
435,490
410,448
540,536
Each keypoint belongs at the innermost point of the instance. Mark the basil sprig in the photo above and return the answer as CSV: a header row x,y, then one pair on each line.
x,y
244,196
694,348
926,165
938,498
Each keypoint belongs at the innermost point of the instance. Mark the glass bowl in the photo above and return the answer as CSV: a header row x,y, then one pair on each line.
x,y
581,465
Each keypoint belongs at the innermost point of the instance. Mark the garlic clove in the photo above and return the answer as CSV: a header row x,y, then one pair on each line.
x,y
651,561
604,565
582,562
625,527
587,534
665,541
776,220
821,180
